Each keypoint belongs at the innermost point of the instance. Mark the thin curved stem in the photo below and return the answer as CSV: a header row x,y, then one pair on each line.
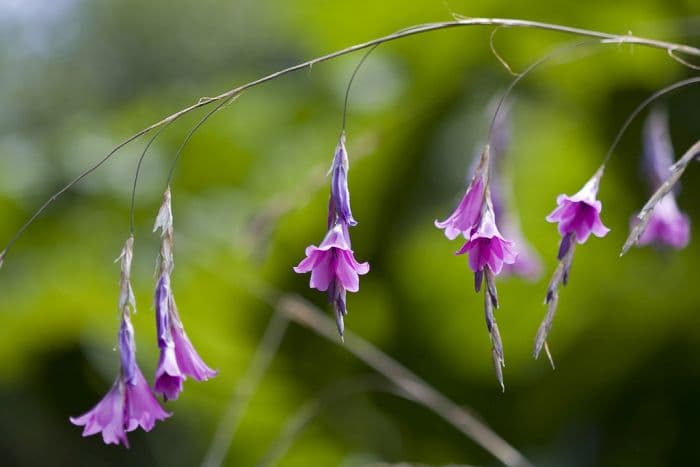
x,y
640,107
352,78
411,31
136,178
519,76
191,133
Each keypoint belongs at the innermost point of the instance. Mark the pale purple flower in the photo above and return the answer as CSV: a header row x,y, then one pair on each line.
x,y
339,202
667,225
178,358
128,404
487,248
334,269
580,214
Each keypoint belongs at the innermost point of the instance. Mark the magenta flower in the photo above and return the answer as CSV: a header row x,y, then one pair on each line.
x,y
580,214
667,225
487,248
466,216
178,358
334,269
129,404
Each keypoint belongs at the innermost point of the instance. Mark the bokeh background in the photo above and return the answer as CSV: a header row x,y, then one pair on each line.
x,y
77,77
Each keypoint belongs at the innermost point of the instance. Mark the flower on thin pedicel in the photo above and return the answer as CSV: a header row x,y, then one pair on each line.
x,y
339,201
178,358
579,214
334,269
130,402
667,225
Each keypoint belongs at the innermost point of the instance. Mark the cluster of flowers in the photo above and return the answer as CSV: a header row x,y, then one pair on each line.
x,y
131,402
485,205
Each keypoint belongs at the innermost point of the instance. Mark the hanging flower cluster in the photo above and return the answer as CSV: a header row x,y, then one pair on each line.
x,y
131,402
332,264
488,250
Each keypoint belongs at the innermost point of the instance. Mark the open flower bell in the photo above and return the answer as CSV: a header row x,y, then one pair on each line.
x,y
334,269
580,214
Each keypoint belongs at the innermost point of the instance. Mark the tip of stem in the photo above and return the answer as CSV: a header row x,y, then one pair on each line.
x,y
549,355
2,258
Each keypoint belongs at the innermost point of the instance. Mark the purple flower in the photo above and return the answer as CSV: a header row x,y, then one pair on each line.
x,y
487,247
128,404
667,225
339,202
466,216
334,269
178,358
580,214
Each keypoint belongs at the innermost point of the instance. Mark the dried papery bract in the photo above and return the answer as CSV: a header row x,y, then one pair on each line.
x,y
178,358
666,225
578,217
129,404
644,215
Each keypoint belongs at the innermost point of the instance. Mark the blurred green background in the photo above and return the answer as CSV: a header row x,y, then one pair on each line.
x,y
77,77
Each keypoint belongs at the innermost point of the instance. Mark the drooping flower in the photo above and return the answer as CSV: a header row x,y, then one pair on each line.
x,y
667,225
466,217
580,214
130,402
178,358
334,269
487,247
339,201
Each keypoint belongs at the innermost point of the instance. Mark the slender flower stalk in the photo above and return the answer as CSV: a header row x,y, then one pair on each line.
x,y
129,404
578,217
178,358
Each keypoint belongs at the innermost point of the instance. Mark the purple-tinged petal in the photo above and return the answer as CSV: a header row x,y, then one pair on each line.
x,y
106,417
322,274
189,361
142,408
467,213
339,203
127,350
169,378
